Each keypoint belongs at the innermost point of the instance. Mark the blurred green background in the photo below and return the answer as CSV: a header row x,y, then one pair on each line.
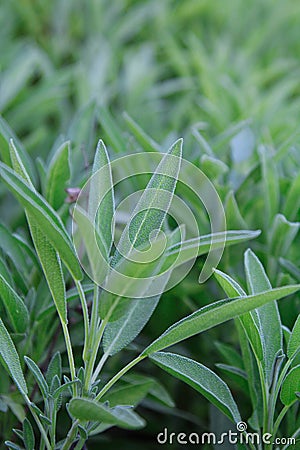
x,y
224,75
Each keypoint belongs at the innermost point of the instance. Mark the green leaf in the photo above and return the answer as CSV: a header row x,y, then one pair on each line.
x,y
84,409
152,208
267,317
234,217
28,435
294,341
110,127
186,249
39,377
58,174
6,135
142,138
282,234
45,217
270,179
101,183
290,268
51,264
290,387
54,368
48,257
129,394
212,167
10,359
215,314
15,307
119,333
11,248
200,378
146,219
292,202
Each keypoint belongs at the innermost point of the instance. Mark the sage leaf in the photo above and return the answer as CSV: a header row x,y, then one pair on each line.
x,y
200,378
28,435
294,340
85,409
215,314
45,217
267,317
39,377
15,307
10,359
290,387
58,174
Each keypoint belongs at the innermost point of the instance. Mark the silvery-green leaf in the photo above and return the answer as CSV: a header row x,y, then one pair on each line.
x,y
58,174
200,378
294,340
267,317
215,314
10,359
45,217
15,306
85,409
290,387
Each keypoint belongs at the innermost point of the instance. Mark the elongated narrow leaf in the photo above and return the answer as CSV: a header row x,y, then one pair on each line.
x,y
119,333
131,394
215,314
152,208
6,134
101,188
58,175
200,378
147,218
270,183
48,256
51,264
39,377
112,130
142,138
267,317
294,341
186,249
291,387
282,235
84,409
11,248
10,359
15,307
292,202
28,435
290,268
45,217
248,335
232,288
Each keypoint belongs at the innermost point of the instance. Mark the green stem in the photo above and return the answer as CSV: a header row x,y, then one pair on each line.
x,y
264,389
95,346
93,356
80,444
39,424
70,356
99,366
275,393
280,418
71,436
119,375
85,319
